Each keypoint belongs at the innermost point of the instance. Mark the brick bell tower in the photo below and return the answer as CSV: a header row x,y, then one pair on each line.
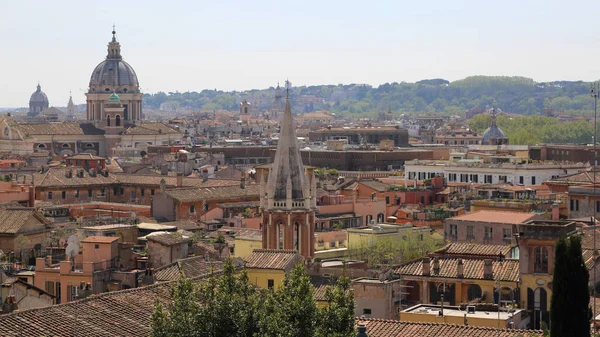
x,y
288,195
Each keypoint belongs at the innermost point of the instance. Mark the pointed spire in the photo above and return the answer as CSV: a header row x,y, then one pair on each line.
x,y
287,172
39,87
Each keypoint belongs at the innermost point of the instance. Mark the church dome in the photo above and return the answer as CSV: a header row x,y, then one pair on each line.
x,y
493,132
113,74
38,96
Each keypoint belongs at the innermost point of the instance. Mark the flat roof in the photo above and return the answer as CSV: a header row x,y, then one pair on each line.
x,y
155,226
453,311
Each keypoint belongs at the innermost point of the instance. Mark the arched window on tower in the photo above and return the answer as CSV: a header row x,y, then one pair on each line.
x,y
107,120
118,120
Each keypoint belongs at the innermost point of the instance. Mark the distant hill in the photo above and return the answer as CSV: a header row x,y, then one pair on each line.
x,y
519,95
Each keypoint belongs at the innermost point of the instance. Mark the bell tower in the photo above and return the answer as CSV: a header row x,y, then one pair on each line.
x,y
288,195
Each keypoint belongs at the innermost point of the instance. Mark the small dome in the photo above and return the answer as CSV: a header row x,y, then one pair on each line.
x,y
38,96
493,132
114,98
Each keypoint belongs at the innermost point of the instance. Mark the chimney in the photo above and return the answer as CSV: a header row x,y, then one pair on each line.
x,y
243,182
179,179
460,272
362,331
488,272
164,170
436,265
69,173
426,267
204,175
163,185
555,212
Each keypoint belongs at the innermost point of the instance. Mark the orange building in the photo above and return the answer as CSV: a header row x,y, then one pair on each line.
x,y
88,274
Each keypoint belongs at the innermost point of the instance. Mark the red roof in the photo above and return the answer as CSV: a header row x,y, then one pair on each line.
x,y
496,217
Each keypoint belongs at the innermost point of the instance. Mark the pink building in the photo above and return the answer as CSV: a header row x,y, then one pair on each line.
x,y
487,227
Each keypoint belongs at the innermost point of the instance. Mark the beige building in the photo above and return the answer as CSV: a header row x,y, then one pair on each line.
x,y
114,119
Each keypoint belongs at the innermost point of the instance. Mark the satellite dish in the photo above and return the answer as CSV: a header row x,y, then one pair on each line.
x,y
72,247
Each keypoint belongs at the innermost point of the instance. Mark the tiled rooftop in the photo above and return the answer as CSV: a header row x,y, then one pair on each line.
x,y
119,313
495,217
213,193
190,267
507,270
273,259
391,328
12,219
100,239
474,249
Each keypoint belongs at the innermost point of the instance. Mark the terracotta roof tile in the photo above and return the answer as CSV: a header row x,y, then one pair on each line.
x,y
474,249
190,267
213,193
12,219
495,217
391,328
507,270
100,239
119,313
63,128
376,185
273,259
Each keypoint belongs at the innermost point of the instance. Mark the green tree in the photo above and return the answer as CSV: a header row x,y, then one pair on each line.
x,y
292,308
228,305
337,318
569,309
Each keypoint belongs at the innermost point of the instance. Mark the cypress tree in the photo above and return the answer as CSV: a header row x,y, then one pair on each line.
x,y
560,286
569,308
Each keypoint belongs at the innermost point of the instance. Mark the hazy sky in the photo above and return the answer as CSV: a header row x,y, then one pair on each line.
x,y
236,45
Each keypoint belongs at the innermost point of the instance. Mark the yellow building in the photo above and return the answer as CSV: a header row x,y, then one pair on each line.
x,y
244,245
456,280
267,267
367,236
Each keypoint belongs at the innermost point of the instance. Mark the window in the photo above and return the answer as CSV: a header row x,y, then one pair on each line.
x,y
152,191
142,192
521,180
77,193
470,233
487,178
366,311
122,191
574,205
90,192
270,283
115,190
540,260
108,120
192,209
532,180
64,194
118,120
507,235
49,195
597,206
453,231
96,246
387,200
50,287
332,244
487,235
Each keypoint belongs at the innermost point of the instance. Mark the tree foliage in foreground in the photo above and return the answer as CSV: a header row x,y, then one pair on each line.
x,y
570,312
228,305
